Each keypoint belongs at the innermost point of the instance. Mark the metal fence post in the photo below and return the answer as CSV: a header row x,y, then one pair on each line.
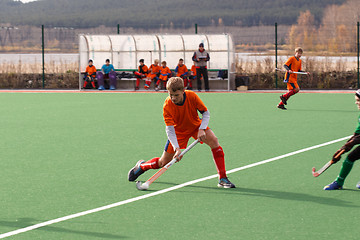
x,y
196,28
118,28
276,57
43,56
358,59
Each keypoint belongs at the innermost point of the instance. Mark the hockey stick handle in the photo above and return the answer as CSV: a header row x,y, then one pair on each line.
x,y
282,70
169,164
338,155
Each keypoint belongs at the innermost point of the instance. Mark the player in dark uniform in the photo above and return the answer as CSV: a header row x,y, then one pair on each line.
x,y
351,157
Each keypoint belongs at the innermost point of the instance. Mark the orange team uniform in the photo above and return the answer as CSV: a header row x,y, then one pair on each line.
x,y
181,70
291,79
184,118
153,71
91,70
164,73
193,69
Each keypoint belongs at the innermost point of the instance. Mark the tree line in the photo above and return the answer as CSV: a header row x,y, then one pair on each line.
x,y
158,13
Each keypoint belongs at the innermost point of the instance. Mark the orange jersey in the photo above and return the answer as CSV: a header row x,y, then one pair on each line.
x,y
181,70
143,69
90,70
193,69
184,117
295,65
164,73
154,69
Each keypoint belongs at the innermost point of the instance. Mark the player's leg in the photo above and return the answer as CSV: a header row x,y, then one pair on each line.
x,y
219,158
345,170
198,78
154,163
206,79
293,89
100,78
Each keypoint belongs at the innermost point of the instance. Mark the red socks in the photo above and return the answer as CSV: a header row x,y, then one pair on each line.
x,y
137,82
151,164
219,159
289,94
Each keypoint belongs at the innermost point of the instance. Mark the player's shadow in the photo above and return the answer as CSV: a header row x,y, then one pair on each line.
x,y
25,222
322,110
292,196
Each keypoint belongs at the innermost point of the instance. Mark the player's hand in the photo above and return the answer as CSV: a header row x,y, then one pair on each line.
x,y
201,135
177,154
307,73
335,157
290,71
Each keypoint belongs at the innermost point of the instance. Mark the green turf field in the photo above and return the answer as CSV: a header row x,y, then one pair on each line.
x,y
64,153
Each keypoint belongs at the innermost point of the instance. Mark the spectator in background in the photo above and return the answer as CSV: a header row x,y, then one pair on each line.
x,y
201,57
107,72
191,77
141,73
154,72
165,73
90,74
182,71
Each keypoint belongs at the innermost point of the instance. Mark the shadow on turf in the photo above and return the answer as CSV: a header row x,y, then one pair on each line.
x,y
275,194
322,110
26,222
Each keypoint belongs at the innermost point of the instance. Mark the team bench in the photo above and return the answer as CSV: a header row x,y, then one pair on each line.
x,y
128,79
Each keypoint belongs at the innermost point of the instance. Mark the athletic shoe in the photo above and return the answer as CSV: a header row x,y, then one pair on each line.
x,y
157,88
136,171
146,86
225,183
136,88
333,186
112,88
283,99
358,185
282,107
101,88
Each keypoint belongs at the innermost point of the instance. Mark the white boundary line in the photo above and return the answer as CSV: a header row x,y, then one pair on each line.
x,y
57,220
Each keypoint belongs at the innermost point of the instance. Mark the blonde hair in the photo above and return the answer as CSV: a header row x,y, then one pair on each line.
x,y
299,50
175,83
156,61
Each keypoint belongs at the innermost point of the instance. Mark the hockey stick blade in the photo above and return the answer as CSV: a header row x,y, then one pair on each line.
x,y
326,166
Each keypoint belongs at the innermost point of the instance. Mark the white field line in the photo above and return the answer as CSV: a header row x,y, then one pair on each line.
x,y
57,220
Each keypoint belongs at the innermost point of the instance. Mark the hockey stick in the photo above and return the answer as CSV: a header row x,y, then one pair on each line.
x,y
282,70
145,185
326,166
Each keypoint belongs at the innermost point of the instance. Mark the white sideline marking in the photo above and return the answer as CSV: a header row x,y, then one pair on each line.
x,y
43,224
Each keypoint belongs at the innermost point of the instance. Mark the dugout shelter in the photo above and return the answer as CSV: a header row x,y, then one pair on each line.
x,y
125,51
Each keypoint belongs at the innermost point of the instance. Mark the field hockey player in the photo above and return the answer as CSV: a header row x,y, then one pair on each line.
x,y
180,112
351,157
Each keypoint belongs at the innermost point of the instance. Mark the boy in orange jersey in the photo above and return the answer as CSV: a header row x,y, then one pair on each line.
x,y
293,64
90,74
181,118
182,71
191,77
141,73
154,71
164,74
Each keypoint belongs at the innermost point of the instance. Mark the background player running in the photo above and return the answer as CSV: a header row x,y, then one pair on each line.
x,y
293,64
181,118
351,158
